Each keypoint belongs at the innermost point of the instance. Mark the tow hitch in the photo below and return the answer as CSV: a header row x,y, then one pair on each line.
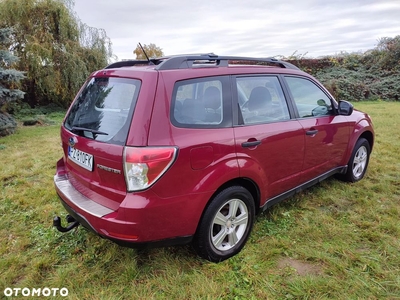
x,y
72,223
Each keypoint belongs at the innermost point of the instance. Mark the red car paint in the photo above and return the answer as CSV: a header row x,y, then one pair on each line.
x,y
293,153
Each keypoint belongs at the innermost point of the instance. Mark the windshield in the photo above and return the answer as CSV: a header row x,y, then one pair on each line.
x,y
103,109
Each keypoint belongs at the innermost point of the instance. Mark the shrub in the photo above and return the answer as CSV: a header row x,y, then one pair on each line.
x,y
7,124
371,75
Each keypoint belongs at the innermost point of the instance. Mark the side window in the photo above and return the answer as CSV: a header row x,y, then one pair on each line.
x,y
198,103
261,99
310,100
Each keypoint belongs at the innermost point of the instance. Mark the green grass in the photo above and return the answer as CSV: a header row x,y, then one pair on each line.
x,y
333,241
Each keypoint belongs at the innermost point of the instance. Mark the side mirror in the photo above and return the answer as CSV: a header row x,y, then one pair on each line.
x,y
345,108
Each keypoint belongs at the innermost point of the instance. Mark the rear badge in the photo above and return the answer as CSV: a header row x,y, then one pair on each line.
x,y
108,169
72,141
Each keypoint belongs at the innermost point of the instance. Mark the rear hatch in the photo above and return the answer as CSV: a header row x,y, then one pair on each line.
x,y
93,137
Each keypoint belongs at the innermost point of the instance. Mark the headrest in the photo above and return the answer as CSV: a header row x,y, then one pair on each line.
x,y
259,98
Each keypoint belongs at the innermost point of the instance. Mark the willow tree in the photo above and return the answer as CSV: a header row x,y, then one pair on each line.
x,y
55,49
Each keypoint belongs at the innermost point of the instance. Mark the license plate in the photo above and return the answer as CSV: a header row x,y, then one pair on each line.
x,y
81,158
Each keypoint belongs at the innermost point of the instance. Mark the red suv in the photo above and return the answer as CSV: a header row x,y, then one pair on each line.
x,y
189,148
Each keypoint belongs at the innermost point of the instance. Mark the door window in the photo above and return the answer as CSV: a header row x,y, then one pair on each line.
x,y
199,103
310,100
261,99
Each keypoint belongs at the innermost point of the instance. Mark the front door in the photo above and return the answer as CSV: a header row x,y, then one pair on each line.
x,y
326,134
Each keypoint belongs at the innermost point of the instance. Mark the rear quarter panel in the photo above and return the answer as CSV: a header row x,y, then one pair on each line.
x,y
206,157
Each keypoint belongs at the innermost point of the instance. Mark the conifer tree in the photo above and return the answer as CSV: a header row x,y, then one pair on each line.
x,y
9,78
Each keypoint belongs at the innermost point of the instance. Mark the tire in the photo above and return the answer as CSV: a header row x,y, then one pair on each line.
x,y
358,162
226,224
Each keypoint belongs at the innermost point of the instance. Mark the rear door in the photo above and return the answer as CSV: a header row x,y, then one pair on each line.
x,y
94,135
326,134
269,144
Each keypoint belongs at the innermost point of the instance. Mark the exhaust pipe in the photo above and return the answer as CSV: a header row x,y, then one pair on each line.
x,y
72,223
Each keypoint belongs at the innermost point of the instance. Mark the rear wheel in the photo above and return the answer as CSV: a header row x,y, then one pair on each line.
x,y
226,224
358,162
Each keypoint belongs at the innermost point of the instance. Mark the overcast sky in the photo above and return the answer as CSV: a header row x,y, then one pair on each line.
x,y
259,28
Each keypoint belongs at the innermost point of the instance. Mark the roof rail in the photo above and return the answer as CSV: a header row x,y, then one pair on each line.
x,y
130,63
193,60
189,61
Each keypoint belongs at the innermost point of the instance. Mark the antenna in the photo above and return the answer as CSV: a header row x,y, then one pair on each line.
x,y
148,59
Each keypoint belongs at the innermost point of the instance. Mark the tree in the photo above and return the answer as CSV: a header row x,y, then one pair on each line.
x,y
151,50
9,78
56,50
390,52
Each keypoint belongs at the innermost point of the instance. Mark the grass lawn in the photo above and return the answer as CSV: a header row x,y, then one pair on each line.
x,y
333,241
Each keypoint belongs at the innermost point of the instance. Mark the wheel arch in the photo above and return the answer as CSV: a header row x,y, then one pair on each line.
x,y
355,136
202,240
369,137
247,183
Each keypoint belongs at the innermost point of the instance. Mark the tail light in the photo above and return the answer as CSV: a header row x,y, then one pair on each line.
x,y
144,166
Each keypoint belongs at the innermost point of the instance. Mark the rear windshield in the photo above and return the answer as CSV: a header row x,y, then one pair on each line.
x,y
103,109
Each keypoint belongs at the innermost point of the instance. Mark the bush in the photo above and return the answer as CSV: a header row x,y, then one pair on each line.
x,y
387,87
359,76
41,115
7,124
346,84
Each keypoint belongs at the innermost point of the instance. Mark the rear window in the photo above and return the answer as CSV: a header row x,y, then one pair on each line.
x,y
103,109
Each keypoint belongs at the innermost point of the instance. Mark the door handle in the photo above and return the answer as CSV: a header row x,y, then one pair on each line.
x,y
251,144
312,132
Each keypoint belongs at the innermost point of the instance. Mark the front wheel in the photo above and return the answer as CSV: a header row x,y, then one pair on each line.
x,y
226,224
358,162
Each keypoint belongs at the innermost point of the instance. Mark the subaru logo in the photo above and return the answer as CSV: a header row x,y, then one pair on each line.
x,y
72,141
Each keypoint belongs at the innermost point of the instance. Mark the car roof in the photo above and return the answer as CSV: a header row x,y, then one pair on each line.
x,y
201,60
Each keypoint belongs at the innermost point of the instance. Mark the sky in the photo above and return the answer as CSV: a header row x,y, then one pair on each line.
x,y
257,28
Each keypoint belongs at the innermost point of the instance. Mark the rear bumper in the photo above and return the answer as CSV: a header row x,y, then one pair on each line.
x,y
127,243
89,213
142,219
65,188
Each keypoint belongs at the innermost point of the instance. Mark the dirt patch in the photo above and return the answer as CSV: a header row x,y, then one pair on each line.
x,y
302,268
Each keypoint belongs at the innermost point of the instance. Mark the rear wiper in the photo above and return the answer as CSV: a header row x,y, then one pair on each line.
x,y
93,131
